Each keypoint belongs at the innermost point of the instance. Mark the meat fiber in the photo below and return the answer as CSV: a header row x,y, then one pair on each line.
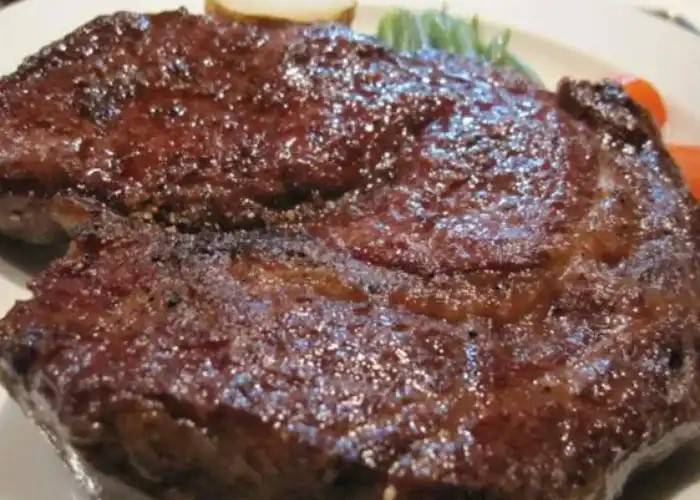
x,y
450,284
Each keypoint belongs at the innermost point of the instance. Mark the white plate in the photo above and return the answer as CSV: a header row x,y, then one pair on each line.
x,y
589,39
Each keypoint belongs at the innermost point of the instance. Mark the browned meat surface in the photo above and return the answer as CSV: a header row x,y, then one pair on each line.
x,y
195,121
466,287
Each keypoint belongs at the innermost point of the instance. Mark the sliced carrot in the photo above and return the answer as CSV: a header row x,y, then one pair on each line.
x,y
646,95
688,159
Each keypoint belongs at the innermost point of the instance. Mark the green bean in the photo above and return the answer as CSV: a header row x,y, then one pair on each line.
x,y
436,26
477,44
408,37
498,48
402,30
462,40
387,30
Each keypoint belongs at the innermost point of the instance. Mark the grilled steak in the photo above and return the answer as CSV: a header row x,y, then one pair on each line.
x,y
460,286
196,122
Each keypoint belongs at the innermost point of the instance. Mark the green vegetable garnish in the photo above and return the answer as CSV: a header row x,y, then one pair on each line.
x,y
462,37
477,44
433,29
497,50
437,29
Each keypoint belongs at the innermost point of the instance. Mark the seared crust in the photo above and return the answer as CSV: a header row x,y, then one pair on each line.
x,y
272,366
198,122
497,298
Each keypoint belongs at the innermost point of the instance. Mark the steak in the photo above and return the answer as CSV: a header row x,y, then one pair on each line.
x,y
436,281
201,123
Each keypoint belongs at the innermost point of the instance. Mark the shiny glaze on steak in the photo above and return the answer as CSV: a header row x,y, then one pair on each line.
x,y
195,121
465,287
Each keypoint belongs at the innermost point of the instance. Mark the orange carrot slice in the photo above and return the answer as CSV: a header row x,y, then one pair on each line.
x,y
646,95
688,159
